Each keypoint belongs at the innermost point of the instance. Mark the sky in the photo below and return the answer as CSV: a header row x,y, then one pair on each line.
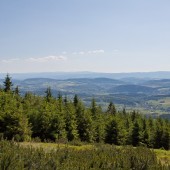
x,y
84,35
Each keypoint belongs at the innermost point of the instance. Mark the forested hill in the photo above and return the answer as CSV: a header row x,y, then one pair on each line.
x,y
49,118
150,96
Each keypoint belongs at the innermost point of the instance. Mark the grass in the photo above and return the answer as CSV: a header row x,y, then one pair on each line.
x,y
38,155
162,155
51,146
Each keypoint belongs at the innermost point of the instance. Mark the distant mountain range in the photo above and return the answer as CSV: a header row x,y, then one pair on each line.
x,y
71,75
148,92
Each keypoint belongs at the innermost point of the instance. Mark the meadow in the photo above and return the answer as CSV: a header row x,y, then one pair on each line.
x,y
79,156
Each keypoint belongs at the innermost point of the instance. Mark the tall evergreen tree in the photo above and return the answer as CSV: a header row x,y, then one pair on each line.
x,y
65,100
48,94
16,90
165,140
112,132
70,122
135,134
111,109
7,83
144,137
93,108
60,102
75,100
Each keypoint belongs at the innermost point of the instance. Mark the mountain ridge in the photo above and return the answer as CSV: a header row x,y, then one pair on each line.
x,y
68,75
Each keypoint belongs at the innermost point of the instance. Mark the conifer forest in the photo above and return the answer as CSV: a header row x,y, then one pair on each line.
x,y
122,139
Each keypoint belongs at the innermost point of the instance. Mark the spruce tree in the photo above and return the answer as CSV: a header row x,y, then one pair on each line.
x,y
16,90
111,109
70,122
75,100
48,94
7,83
93,108
112,132
135,134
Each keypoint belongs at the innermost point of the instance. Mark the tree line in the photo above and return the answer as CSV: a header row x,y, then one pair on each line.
x,y
27,117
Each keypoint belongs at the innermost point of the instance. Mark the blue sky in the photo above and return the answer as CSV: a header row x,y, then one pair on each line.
x,y
84,35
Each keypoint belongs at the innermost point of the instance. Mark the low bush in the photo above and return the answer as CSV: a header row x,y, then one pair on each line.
x,y
13,156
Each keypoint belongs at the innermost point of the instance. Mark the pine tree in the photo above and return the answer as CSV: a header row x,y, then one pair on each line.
x,y
124,110
15,125
16,90
60,102
70,122
57,126
48,94
143,133
93,108
165,140
75,100
135,134
111,109
158,134
99,125
112,132
133,115
65,100
7,83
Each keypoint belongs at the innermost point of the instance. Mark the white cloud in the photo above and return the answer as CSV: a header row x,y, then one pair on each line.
x,y
10,60
35,59
89,52
47,58
79,53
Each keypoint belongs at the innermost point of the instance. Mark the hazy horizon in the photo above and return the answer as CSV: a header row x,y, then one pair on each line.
x,y
74,36
83,72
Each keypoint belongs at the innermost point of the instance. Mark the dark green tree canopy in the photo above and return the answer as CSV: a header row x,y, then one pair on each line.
x,y
111,108
48,94
48,118
7,83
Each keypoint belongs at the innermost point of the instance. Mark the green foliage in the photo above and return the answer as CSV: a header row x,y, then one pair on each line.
x,y
71,122
135,134
7,83
17,157
112,132
14,123
75,100
48,118
48,94
17,90
111,108
23,118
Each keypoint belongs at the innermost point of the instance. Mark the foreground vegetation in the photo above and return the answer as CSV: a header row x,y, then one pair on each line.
x,y
46,118
14,156
162,155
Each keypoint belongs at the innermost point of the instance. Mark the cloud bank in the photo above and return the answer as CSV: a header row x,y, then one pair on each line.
x,y
47,59
10,60
89,52
36,59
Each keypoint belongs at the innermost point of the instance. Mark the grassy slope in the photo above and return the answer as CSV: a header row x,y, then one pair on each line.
x,y
162,155
50,146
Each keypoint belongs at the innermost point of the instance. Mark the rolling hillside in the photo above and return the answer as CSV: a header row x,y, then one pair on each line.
x,y
148,96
